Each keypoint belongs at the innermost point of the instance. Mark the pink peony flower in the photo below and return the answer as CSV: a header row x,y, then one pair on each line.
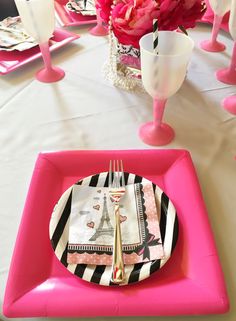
x,y
131,19
174,13
194,13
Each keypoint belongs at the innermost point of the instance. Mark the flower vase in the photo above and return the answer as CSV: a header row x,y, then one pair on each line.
x,y
128,60
123,68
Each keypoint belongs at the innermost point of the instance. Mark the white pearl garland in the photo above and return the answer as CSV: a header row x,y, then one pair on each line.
x,y
125,81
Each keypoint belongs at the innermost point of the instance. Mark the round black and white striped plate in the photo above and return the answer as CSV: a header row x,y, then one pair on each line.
x,y
101,274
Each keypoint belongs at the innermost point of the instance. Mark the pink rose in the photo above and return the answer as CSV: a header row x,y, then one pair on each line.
x,y
174,13
131,19
194,13
170,14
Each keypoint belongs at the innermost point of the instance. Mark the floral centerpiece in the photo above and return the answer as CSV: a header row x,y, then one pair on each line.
x,y
129,20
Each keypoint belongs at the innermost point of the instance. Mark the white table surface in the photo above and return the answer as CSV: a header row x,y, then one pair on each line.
x,y
84,111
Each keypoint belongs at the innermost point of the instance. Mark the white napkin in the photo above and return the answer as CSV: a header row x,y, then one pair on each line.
x,y
78,6
92,223
13,35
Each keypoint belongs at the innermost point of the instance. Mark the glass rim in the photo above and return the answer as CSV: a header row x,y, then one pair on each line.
x,y
169,55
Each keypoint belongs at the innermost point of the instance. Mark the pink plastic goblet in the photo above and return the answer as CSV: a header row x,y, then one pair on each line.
x,y
229,104
99,29
219,7
228,75
38,18
162,76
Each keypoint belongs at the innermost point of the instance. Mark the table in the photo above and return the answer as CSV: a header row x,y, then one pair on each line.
x,y
83,111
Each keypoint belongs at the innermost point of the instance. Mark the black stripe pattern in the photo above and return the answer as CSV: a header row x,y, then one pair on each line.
x,y
61,223
100,274
155,36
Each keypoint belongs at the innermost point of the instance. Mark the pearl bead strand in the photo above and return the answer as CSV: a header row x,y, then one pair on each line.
x,y
125,81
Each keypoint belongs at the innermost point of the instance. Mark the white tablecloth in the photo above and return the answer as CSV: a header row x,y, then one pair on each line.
x,y
84,111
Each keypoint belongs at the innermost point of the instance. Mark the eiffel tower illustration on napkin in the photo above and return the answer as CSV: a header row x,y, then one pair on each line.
x,y
105,227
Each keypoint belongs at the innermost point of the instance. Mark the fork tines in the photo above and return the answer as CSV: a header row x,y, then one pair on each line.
x,y
116,173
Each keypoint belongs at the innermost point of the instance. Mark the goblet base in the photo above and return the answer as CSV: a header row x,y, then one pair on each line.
x,y
216,46
226,76
99,30
50,75
156,136
229,104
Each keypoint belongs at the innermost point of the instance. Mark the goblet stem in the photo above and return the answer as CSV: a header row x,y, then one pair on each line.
x,y
49,73
228,75
99,19
158,111
157,133
216,28
44,48
232,67
99,29
213,45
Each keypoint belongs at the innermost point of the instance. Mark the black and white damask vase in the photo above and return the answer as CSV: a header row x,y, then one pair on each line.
x,y
128,58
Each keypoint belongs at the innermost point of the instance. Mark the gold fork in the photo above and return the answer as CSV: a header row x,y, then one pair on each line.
x,y
116,192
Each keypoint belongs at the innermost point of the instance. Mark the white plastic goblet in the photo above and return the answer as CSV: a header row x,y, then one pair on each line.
x,y
219,7
38,18
162,76
228,75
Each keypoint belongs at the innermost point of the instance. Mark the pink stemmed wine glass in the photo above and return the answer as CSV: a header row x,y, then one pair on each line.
x,y
229,103
219,7
38,18
228,75
162,76
99,29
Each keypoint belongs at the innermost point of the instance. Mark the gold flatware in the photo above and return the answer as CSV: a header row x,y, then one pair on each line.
x,y
116,192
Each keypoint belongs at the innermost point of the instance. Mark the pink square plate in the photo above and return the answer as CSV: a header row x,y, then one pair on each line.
x,y
12,60
68,18
191,282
